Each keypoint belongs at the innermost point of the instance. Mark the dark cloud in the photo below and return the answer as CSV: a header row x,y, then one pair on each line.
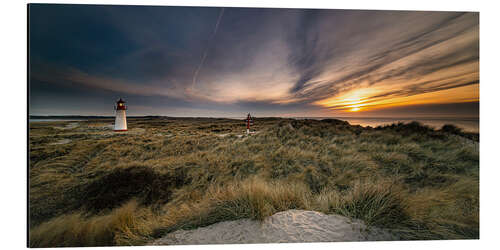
x,y
275,61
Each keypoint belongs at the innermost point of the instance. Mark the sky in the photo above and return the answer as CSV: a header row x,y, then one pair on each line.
x,y
226,62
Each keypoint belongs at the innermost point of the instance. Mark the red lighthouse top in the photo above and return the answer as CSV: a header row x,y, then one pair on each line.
x,y
249,121
120,105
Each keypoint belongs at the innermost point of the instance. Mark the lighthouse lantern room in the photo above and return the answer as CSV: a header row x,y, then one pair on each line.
x,y
120,116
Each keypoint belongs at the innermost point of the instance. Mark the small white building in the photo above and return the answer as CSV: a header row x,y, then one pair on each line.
x,y
120,116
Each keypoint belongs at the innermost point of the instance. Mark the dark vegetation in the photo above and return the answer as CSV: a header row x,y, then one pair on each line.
x,y
102,188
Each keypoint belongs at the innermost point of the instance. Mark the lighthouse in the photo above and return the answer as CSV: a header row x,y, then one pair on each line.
x,y
249,121
121,117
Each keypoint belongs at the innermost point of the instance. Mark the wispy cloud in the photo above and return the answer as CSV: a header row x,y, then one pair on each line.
x,y
324,60
195,75
440,47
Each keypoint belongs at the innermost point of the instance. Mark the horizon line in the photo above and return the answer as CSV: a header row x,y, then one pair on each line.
x,y
293,117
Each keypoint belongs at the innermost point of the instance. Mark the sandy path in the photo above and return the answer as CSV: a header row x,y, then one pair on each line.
x,y
62,141
70,125
288,226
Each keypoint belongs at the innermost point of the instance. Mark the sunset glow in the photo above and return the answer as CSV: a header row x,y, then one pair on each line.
x,y
272,62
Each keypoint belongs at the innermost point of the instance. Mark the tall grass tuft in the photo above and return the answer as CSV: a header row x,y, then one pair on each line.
x,y
251,198
376,203
125,225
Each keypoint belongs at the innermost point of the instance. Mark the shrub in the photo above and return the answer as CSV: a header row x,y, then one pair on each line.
x,y
122,184
452,129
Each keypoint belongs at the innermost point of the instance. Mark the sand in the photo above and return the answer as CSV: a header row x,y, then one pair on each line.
x,y
70,125
290,226
62,141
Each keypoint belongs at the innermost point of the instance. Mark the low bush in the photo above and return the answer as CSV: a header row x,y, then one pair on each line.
x,y
122,184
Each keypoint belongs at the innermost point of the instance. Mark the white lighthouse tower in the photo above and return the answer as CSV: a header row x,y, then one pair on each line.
x,y
121,117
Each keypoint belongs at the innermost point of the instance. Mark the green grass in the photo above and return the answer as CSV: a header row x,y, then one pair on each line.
x,y
105,188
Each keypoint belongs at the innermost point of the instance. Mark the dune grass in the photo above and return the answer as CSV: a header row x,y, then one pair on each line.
x,y
106,188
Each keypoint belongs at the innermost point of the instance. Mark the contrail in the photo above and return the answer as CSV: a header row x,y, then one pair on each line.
x,y
206,49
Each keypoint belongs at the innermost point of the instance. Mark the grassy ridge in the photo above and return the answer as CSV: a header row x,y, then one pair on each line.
x,y
106,188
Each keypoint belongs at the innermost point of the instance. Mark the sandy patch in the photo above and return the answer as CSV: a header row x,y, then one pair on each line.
x,y
72,125
163,135
108,127
290,226
98,128
109,132
133,131
69,126
62,141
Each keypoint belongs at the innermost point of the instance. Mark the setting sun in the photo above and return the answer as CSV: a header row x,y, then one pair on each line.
x,y
352,101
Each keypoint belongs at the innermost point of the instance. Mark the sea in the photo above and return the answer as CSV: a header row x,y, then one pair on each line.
x,y
57,120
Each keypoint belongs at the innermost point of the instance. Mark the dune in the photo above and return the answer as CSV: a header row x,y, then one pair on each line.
x,y
290,226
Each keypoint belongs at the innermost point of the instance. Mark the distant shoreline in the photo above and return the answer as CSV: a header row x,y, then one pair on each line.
x,y
467,124
242,117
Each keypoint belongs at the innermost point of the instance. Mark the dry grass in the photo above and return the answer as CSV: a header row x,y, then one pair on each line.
x,y
106,188
378,203
251,198
125,225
